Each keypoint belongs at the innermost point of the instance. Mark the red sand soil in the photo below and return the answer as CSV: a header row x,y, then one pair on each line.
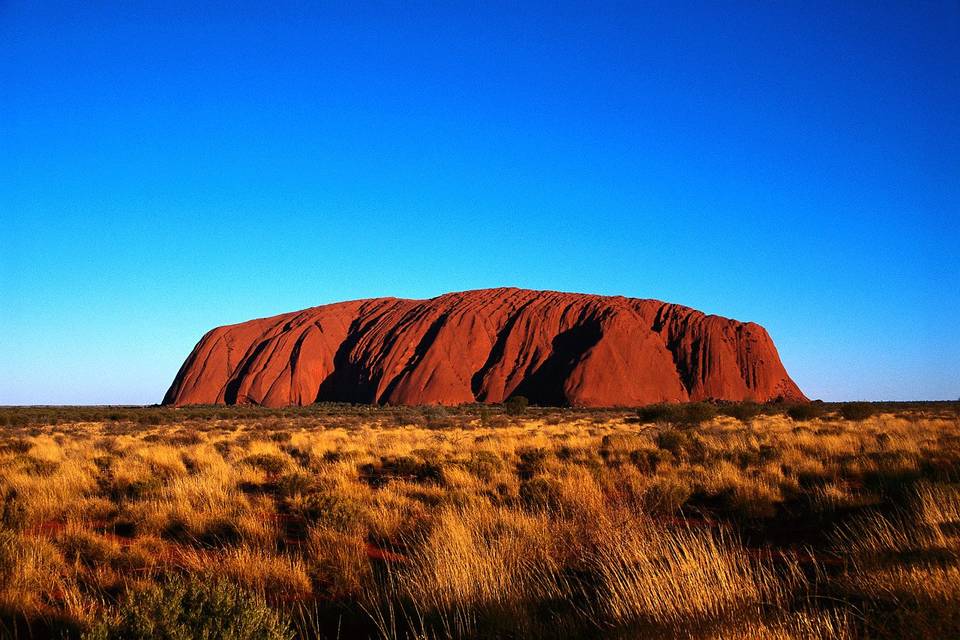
x,y
485,346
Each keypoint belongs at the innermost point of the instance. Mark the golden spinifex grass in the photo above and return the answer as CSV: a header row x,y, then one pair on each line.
x,y
563,525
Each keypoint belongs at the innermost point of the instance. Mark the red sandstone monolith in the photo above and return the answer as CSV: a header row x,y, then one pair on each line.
x,y
485,346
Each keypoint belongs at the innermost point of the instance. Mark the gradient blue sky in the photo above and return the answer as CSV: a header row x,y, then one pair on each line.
x,y
166,168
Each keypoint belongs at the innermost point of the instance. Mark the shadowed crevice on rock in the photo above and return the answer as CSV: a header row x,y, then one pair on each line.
x,y
346,383
425,343
232,389
545,386
496,354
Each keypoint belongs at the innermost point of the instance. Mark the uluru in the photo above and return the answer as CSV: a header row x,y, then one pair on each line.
x,y
556,349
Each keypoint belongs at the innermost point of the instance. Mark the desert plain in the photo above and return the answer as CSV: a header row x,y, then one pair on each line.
x,y
699,520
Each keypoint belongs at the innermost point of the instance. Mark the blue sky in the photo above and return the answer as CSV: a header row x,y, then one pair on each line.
x,y
166,168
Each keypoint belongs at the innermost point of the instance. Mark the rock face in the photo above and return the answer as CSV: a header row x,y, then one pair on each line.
x,y
485,346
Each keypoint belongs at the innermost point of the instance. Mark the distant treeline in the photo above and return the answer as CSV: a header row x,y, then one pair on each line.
x,y
340,414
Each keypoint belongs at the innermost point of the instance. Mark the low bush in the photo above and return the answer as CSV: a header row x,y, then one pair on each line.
x,y
268,462
805,411
188,609
515,405
696,413
742,411
438,418
688,414
656,413
856,410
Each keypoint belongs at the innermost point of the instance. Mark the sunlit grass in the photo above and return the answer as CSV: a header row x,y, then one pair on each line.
x,y
565,525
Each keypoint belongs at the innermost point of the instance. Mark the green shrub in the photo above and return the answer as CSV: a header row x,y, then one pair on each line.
x,y
696,413
484,464
438,418
648,460
533,460
268,462
333,510
188,609
87,548
856,410
149,419
742,411
410,468
657,413
135,489
515,405
682,445
496,421
406,416
401,468
295,482
688,414
672,441
805,411
184,437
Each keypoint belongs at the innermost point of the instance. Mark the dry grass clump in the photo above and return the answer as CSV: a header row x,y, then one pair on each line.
x,y
31,571
681,576
699,522
479,558
804,625
906,564
276,577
